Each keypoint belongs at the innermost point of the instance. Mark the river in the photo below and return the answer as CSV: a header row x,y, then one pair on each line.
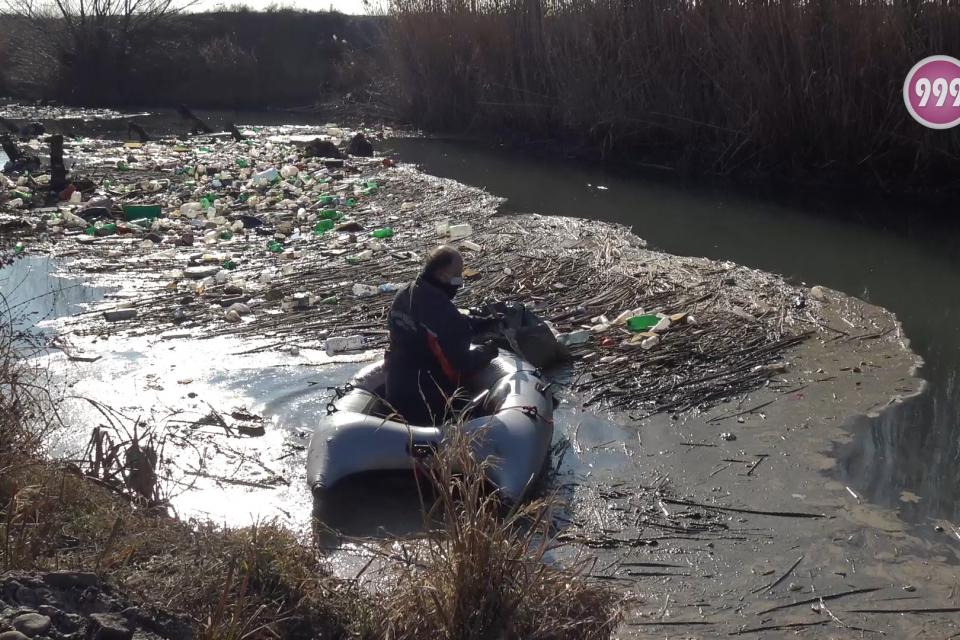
x,y
913,448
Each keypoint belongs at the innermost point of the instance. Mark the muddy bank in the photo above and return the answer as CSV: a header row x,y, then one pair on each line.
x,y
732,405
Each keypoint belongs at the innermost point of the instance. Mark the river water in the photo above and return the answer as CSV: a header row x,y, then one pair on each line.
x,y
913,448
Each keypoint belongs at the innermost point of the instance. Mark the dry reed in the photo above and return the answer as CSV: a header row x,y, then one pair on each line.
x,y
485,572
800,89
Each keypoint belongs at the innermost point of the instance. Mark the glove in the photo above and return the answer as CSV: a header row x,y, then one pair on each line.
x,y
490,349
481,324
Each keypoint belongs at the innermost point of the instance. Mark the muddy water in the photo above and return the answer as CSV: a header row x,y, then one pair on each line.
x,y
913,450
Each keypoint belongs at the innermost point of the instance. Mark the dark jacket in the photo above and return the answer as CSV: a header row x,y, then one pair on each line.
x,y
429,355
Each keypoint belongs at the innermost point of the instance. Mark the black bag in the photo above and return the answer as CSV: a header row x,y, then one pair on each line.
x,y
524,331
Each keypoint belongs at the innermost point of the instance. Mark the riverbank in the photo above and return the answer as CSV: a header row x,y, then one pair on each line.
x,y
621,482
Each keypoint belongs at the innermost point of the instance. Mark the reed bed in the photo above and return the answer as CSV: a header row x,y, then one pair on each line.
x,y
803,90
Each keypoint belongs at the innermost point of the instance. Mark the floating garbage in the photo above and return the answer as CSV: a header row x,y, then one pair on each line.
x,y
338,345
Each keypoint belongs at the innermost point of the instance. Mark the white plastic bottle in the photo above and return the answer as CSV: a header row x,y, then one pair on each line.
x,y
338,345
460,231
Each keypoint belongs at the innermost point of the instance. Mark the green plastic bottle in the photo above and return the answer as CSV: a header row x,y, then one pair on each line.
x,y
642,323
229,265
353,260
386,232
322,227
328,199
275,246
226,234
242,163
351,202
205,204
122,166
18,248
110,228
330,214
330,300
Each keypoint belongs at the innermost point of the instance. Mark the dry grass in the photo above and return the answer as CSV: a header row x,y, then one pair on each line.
x,y
483,573
726,87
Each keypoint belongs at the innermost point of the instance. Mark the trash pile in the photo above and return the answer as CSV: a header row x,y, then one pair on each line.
x,y
300,237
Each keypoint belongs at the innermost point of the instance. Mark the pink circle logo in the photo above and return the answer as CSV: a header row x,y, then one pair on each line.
x,y
932,92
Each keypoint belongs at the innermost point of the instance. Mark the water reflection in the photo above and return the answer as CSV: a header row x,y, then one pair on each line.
x,y
32,293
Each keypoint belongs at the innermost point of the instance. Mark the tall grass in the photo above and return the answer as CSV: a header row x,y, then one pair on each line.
x,y
484,571
791,87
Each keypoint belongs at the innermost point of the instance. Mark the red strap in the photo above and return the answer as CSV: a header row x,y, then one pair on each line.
x,y
445,365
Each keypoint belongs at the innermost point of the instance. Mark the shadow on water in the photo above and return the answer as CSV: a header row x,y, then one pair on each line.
x,y
914,448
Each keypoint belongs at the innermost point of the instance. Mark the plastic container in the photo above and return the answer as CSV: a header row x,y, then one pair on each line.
x,y
389,287
141,211
642,323
338,345
458,231
386,232
364,290
289,171
265,177
574,337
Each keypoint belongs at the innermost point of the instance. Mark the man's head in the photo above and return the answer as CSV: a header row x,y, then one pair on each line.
x,y
444,267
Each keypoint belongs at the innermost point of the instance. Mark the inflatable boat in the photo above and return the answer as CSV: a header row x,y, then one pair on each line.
x,y
509,401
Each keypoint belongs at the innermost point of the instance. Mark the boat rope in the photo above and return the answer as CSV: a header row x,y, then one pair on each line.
x,y
532,412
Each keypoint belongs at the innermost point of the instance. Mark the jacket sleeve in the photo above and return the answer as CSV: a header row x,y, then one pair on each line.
x,y
448,336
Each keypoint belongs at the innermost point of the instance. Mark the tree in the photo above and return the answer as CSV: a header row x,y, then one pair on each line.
x,y
90,48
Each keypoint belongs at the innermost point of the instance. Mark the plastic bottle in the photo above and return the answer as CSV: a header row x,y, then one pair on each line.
x,y
443,227
457,231
328,199
473,246
265,177
210,237
243,164
389,287
364,290
330,214
289,171
337,345
575,337
18,248
642,323
275,246
322,227
76,197
386,232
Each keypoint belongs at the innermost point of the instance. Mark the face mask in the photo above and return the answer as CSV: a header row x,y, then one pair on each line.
x,y
450,289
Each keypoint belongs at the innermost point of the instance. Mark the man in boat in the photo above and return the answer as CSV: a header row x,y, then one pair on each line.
x,y
429,356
